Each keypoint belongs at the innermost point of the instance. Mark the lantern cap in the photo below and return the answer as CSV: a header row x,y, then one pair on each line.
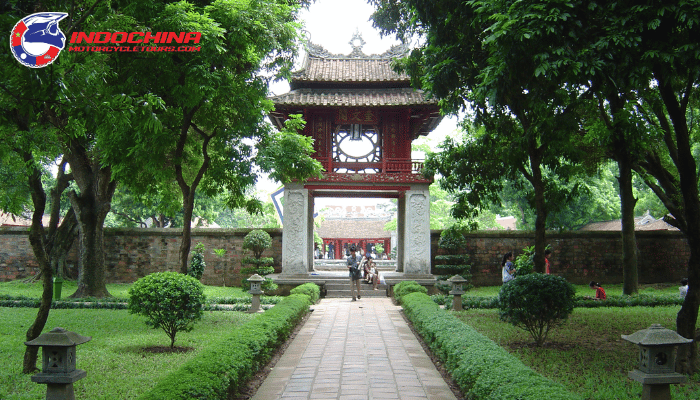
x,y
656,335
58,337
457,279
256,278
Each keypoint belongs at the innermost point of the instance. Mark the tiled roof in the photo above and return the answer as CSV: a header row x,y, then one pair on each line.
x,y
353,229
347,71
353,97
645,223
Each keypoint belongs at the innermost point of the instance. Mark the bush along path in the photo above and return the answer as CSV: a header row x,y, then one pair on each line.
x,y
476,363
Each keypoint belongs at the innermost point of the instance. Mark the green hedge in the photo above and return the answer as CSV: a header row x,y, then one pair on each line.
x,y
643,300
406,287
310,289
481,368
226,366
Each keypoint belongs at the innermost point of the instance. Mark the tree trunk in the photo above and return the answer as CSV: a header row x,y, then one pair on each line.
x,y
687,317
186,244
36,240
538,186
91,207
687,172
91,263
46,247
630,274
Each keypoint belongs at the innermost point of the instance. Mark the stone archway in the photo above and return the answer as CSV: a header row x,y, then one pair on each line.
x,y
413,247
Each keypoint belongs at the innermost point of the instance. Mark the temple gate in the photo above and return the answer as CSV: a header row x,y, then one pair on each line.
x,y
363,117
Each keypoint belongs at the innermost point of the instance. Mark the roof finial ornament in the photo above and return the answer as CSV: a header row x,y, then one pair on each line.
x,y
357,42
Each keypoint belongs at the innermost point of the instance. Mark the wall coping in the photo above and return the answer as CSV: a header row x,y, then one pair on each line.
x,y
561,234
22,230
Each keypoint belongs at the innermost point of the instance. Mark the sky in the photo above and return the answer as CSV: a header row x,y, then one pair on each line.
x,y
331,24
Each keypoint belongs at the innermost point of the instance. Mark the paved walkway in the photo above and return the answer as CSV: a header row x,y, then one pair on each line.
x,y
354,350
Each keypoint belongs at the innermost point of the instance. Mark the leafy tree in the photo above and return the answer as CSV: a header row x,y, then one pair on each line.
x,y
640,63
169,300
27,155
81,96
242,218
213,104
536,303
528,122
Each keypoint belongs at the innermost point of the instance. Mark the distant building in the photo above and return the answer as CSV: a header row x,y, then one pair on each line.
x,y
7,219
643,223
508,223
361,225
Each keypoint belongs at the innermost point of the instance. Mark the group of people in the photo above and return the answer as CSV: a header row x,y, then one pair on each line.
x,y
361,268
508,273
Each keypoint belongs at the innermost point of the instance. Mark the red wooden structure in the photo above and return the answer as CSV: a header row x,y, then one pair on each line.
x,y
363,117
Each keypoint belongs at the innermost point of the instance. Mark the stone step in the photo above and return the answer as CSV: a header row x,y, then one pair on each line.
x,y
340,287
365,291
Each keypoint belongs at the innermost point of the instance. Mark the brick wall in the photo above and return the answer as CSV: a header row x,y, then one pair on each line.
x,y
134,253
578,256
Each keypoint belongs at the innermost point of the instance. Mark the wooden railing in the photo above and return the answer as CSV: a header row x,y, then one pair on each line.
x,y
387,166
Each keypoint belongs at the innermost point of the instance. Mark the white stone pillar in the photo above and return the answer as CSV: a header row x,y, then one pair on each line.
x,y
416,240
400,233
297,242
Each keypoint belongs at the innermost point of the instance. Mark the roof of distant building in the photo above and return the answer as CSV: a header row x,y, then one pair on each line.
x,y
7,219
356,228
643,223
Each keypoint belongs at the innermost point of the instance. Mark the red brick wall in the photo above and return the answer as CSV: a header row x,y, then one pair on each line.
x,y
580,257
134,253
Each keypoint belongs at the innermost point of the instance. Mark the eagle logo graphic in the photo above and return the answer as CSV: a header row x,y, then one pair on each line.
x,y
37,40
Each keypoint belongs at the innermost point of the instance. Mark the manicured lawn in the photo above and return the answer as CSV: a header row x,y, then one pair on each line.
x,y
586,354
116,365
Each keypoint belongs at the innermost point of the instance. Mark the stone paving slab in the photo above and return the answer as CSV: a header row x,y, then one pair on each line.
x,y
355,350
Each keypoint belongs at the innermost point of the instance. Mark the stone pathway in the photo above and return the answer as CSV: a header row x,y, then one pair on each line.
x,y
354,350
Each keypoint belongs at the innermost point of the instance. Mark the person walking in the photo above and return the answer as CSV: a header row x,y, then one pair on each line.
x,y
355,273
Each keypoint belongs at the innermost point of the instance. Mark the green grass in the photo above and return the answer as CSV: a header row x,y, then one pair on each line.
x,y
586,354
33,290
116,365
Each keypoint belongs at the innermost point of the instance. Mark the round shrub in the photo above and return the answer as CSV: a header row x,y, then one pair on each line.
x,y
536,303
257,241
452,239
169,300
405,287
197,264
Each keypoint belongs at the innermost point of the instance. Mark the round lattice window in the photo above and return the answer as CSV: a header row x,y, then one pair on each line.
x,y
357,143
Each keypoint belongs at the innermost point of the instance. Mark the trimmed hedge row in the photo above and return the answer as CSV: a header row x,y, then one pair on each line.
x,y
310,289
643,300
213,304
223,368
481,368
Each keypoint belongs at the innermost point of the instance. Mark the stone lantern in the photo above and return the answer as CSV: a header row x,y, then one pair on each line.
x,y
656,369
457,291
58,370
255,282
